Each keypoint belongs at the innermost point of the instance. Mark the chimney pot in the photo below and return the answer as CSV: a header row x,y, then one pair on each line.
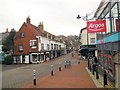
x,y
28,19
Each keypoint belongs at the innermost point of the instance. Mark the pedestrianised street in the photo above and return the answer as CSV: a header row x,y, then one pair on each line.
x,y
75,76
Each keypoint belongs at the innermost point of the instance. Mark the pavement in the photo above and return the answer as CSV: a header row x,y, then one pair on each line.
x,y
76,76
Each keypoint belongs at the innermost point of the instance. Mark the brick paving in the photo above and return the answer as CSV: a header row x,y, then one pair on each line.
x,y
74,77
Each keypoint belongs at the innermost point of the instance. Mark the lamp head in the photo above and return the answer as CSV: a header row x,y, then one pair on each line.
x,y
78,17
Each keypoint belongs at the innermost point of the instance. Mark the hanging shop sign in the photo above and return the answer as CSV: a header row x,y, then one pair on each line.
x,y
96,26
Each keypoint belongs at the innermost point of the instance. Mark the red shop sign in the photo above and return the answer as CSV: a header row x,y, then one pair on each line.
x,y
96,26
102,40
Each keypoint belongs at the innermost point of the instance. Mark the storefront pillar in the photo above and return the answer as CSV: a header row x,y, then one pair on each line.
x,y
117,76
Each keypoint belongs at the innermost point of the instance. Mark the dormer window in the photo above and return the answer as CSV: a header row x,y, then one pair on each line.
x,y
22,34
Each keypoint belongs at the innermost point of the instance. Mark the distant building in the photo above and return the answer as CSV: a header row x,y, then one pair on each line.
x,y
5,34
32,44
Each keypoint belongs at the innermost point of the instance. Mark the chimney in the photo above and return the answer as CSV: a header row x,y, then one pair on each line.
x,y
28,20
41,26
6,30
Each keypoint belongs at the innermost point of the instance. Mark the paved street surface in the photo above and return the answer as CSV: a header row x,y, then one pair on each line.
x,y
12,66
20,76
74,77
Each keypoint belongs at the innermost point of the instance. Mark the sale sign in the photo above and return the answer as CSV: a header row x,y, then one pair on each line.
x,y
96,26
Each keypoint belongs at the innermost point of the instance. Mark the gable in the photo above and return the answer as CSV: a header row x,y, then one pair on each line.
x,y
28,31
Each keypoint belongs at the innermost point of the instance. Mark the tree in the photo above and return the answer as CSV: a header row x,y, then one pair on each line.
x,y
8,60
9,41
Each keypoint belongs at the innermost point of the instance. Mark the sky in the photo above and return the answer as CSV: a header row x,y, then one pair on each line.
x,y
58,16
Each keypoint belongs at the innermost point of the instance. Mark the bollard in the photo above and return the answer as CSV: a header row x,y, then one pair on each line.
x,y
65,64
105,78
97,75
93,69
51,70
78,62
90,67
34,77
59,67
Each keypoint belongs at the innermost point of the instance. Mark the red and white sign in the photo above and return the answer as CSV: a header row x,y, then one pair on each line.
x,y
96,26
101,40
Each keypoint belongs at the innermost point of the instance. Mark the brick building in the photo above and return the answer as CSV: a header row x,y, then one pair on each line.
x,y
32,44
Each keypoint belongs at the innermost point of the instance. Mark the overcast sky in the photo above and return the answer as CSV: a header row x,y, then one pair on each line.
x,y
58,16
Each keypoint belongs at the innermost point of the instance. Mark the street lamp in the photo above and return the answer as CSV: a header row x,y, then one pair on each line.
x,y
85,18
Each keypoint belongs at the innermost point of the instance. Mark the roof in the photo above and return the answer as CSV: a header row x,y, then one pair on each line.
x,y
104,8
101,7
37,32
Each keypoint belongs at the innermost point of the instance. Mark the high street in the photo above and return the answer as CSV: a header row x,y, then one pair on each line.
x,y
15,78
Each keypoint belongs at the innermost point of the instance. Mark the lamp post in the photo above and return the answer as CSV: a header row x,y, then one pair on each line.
x,y
85,18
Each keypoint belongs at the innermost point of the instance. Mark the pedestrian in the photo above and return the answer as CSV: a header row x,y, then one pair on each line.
x,y
72,54
95,59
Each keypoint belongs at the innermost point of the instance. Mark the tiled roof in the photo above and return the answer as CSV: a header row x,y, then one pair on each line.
x,y
33,29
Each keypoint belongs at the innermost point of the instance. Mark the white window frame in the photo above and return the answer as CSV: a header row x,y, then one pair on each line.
x,y
91,40
32,44
20,48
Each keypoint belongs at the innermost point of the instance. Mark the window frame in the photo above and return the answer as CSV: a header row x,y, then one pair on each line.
x,y
20,48
22,34
33,44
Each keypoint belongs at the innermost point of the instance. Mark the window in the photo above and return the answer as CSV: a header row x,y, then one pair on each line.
x,y
51,46
22,34
33,43
57,47
42,46
20,48
60,47
92,40
54,46
39,40
48,47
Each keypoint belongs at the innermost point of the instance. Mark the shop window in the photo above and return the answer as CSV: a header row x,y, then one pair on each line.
x,y
34,58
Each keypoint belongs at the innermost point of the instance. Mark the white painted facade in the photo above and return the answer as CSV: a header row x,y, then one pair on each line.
x,y
48,41
26,58
87,37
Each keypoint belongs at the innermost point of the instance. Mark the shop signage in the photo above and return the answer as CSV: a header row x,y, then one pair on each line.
x,y
96,26
101,40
